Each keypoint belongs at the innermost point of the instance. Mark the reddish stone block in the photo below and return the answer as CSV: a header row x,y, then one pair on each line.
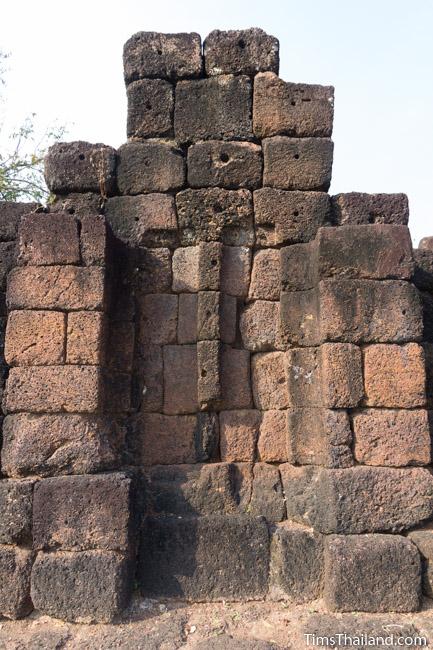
x,y
158,319
289,217
80,513
299,110
180,379
51,389
225,164
392,437
187,318
165,56
423,540
213,109
56,287
359,208
85,338
47,445
242,51
15,569
149,167
235,379
186,269
269,381
7,261
377,252
265,276
150,379
48,238
209,374
369,311
16,497
209,265
93,240
81,167
239,431
235,270
259,326
228,318
299,317
150,109
35,338
423,275
394,375
267,499
10,217
209,315
297,163
299,267
144,220
272,445
341,369
163,439
372,573
215,214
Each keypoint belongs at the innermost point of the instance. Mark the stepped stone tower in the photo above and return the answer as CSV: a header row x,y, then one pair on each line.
x,y
216,376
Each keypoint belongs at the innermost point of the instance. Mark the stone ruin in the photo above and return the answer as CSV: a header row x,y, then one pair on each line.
x,y
217,377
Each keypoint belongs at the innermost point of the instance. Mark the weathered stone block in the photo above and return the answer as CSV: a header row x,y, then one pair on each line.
x,y
318,436
423,540
372,573
167,56
56,287
303,373
48,238
299,267
378,252
297,563
150,380
154,272
144,220
215,214
180,379
235,379
225,164
202,489
83,587
341,370
369,311
423,276
265,276
163,439
228,318
80,513
259,326
158,319
51,389
120,344
93,239
15,569
376,499
186,269
35,338
85,338
267,499
10,217
81,167
298,110
16,511
395,375
299,317
7,261
289,217
213,109
209,315
209,265
392,437
192,557
150,109
242,51
269,381
272,444
239,431
149,167
235,270
187,318
297,163
209,374
59,444
360,208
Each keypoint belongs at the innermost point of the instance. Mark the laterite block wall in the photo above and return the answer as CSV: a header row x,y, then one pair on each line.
x,y
219,376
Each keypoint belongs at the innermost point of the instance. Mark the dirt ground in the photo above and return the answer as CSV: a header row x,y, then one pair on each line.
x,y
157,625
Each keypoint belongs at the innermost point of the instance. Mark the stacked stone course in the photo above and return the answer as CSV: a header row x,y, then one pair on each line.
x,y
220,376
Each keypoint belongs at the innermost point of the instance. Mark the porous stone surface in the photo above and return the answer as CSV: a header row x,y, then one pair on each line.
x,y
242,51
372,573
225,164
297,163
16,498
361,208
239,431
152,166
48,238
15,568
35,338
150,109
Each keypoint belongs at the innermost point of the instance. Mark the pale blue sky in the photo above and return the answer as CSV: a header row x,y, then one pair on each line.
x,y
67,64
